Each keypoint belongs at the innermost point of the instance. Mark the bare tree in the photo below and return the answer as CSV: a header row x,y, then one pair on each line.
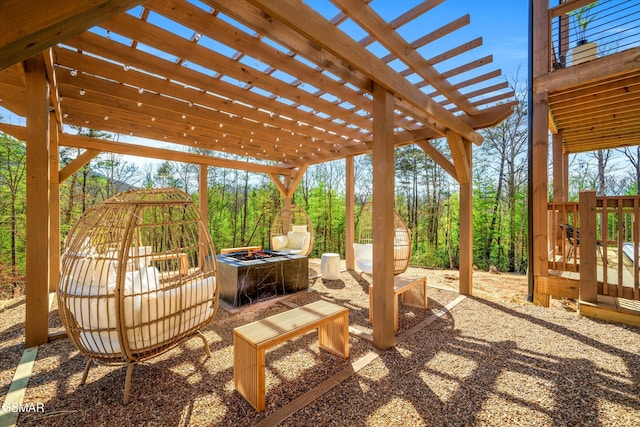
x,y
633,155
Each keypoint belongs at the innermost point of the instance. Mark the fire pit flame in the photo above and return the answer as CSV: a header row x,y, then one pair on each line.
x,y
253,255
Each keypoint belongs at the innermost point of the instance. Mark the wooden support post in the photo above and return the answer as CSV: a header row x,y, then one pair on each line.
x,y
559,190
539,142
588,260
203,196
54,218
38,206
466,228
350,202
383,208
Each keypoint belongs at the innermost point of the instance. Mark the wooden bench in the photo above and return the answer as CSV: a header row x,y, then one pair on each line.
x,y
413,291
250,342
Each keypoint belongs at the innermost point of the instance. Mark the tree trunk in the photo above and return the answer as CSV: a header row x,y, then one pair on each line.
x,y
494,213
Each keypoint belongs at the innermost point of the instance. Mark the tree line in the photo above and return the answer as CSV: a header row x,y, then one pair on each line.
x,y
242,204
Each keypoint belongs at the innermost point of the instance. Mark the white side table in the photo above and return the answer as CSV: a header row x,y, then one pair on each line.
x,y
330,266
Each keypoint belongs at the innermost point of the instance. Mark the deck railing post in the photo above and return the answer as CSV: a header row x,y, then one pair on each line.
x,y
588,260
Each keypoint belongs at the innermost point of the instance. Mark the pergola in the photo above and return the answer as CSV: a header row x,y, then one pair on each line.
x,y
275,81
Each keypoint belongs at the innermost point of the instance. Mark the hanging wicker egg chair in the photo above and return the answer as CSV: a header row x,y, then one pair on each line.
x,y
292,231
363,247
138,277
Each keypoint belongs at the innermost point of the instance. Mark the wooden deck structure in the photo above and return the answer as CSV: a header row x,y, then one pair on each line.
x,y
585,106
274,81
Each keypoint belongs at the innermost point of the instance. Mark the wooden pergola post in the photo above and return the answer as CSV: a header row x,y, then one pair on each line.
x,y
383,202
203,196
466,228
54,218
540,150
38,203
350,201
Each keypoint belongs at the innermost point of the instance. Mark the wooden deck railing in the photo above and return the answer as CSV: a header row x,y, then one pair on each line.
x,y
600,239
612,26
562,219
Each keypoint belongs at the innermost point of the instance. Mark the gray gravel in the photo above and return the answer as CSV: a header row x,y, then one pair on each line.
x,y
493,361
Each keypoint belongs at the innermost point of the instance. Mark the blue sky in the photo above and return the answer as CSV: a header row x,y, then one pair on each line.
x,y
503,25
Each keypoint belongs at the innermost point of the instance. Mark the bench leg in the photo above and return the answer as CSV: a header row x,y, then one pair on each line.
x,y
416,295
249,372
333,336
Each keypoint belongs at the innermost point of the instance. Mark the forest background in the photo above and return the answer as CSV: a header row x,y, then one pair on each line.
x,y
242,205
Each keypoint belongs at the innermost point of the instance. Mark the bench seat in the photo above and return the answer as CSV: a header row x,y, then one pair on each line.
x,y
252,340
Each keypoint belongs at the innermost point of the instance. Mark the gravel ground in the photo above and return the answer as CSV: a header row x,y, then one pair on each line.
x,y
492,360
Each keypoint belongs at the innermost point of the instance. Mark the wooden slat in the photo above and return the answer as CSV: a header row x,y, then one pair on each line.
x,y
125,98
227,34
311,25
131,27
180,132
92,43
256,19
368,19
31,26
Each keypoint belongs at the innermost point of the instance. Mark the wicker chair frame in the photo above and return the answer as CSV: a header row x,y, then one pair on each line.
x,y
138,277
288,217
401,240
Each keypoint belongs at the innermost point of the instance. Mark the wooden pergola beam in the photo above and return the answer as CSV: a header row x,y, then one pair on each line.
x,y
307,22
368,19
31,26
461,159
77,164
598,69
77,141
438,157
255,18
246,100
287,186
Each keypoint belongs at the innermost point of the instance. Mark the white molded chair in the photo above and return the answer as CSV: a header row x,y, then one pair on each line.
x,y
363,257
